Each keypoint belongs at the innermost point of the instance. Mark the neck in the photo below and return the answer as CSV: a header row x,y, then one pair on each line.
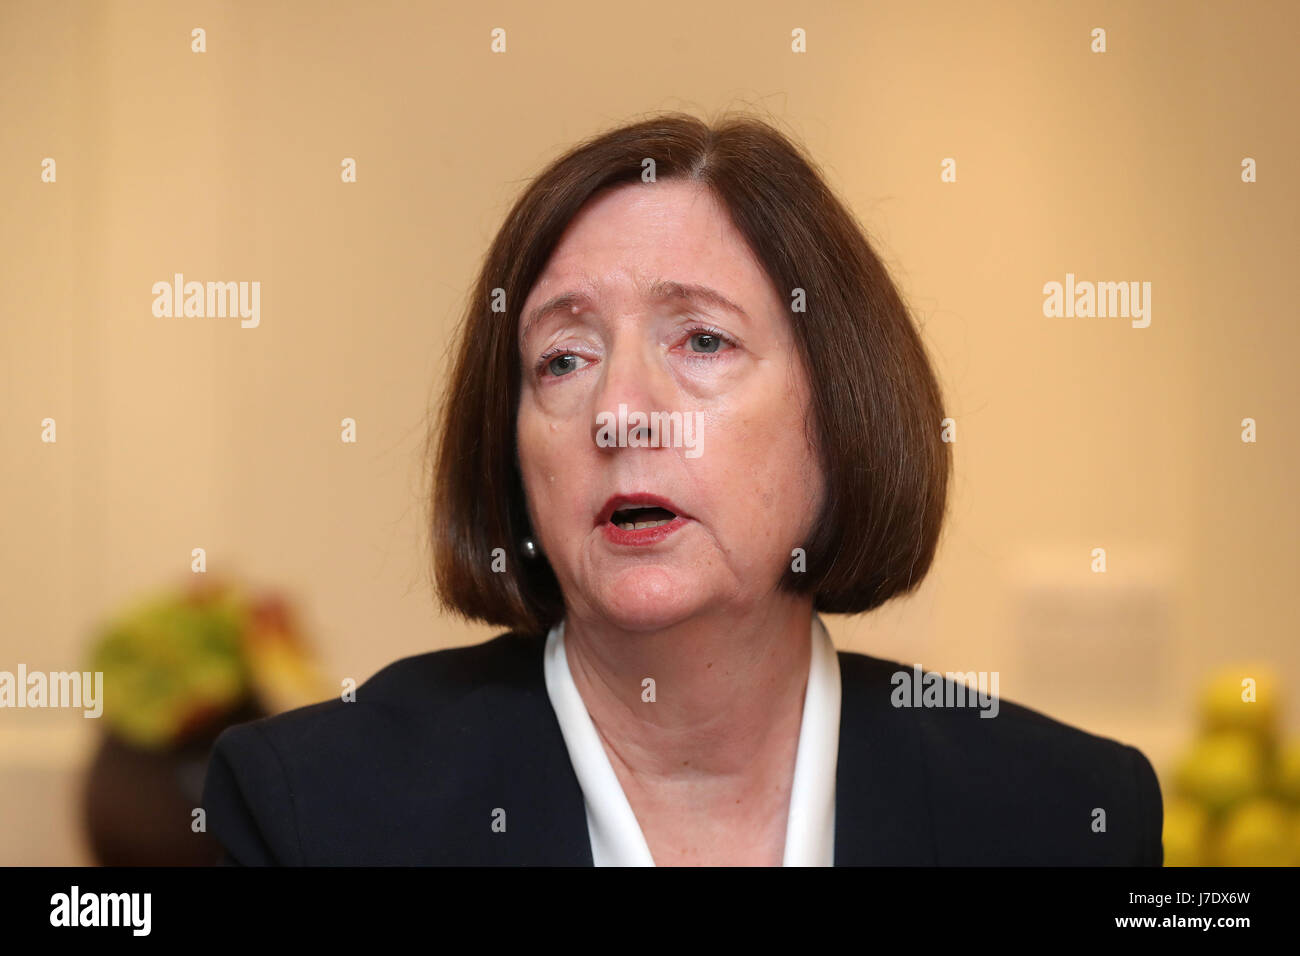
x,y
729,691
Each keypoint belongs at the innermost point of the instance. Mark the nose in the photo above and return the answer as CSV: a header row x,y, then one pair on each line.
x,y
635,385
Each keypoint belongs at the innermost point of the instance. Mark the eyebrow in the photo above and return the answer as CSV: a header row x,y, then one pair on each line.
x,y
662,290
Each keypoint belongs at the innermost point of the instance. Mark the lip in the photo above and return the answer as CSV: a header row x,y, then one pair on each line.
x,y
638,498
645,536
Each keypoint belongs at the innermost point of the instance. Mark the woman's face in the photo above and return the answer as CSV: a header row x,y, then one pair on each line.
x,y
635,334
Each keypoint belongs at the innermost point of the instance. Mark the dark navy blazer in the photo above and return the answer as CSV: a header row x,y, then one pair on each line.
x,y
436,746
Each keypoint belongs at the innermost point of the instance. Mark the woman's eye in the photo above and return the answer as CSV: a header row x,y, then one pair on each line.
x,y
705,342
562,364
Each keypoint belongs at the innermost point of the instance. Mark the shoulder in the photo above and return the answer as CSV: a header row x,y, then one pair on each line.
x,y
314,784
430,686
405,698
1004,783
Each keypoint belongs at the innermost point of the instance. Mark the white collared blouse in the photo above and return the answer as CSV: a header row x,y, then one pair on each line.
x,y
616,837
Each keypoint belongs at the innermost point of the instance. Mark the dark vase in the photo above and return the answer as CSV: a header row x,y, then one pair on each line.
x,y
139,804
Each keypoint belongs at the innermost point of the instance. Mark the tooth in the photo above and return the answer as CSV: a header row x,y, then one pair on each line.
x,y
640,525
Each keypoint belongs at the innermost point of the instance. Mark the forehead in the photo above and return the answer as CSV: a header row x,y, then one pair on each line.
x,y
628,240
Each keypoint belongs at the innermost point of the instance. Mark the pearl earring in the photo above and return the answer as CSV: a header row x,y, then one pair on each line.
x,y
529,548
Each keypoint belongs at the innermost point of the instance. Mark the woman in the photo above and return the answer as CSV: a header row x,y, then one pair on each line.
x,y
688,412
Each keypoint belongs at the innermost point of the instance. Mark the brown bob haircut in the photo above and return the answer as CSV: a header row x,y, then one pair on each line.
x,y
875,405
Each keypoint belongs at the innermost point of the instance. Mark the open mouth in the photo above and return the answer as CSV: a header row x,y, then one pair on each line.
x,y
637,518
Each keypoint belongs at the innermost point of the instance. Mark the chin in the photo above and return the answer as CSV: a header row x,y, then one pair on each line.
x,y
650,598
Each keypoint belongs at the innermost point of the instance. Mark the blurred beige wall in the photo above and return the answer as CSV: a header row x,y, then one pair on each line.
x,y
1072,433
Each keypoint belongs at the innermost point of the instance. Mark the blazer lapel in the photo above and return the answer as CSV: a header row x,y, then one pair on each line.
x,y
505,760
551,816
882,809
